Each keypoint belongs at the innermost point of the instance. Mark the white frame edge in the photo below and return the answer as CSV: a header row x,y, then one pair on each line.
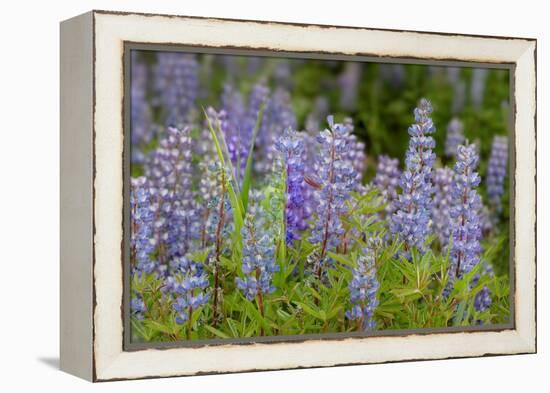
x,y
111,30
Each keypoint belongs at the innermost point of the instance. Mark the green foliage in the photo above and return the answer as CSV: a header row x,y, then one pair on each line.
x,y
410,294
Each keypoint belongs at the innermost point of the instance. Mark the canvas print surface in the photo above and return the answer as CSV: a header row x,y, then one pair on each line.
x,y
284,197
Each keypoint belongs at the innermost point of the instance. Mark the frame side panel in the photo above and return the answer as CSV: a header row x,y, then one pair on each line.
x,y
76,178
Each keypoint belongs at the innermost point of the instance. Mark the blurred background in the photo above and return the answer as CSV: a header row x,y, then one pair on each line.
x,y
378,97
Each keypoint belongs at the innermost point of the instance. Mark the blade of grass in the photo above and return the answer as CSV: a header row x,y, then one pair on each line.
x,y
248,169
222,150
282,237
216,332
238,215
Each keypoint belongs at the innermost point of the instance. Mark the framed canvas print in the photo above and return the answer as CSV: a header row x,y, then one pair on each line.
x,y
245,195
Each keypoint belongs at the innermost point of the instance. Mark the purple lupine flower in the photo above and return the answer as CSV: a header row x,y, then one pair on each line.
x,y
142,240
386,180
311,147
455,137
258,261
464,214
355,153
238,123
335,180
363,288
349,85
477,87
442,202
259,96
169,170
141,117
291,146
137,307
176,82
230,119
231,129
413,207
233,104
187,285
483,298
496,172
277,117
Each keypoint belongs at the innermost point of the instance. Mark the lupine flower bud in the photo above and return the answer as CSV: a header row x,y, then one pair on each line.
x,y
464,213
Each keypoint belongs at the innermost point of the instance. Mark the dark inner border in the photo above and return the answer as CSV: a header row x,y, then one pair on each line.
x,y
129,46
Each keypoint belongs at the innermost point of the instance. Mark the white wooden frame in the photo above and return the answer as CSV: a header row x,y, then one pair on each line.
x,y
92,47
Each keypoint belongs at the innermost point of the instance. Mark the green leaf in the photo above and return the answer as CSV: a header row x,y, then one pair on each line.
x,y
457,320
232,326
158,326
215,331
222,150
137,326
343,259
311,311
407,293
